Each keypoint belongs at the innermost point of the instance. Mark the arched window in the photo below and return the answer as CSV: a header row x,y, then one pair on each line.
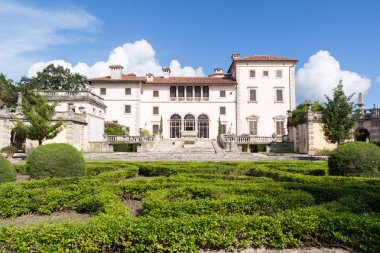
x,y
203,126
189,122
175,126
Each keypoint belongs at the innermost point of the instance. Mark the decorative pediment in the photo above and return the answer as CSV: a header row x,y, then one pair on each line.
x,y
252,117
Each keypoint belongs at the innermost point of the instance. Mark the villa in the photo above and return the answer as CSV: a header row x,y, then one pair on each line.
x,y
252,98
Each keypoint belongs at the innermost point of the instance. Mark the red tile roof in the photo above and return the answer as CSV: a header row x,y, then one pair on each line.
x,y
125,78
170,80
265,58
193,80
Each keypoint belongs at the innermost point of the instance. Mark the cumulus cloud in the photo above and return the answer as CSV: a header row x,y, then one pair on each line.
x,y
322,73
25,29
138,57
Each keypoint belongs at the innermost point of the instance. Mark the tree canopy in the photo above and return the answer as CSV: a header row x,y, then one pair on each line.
x,y
39,115
56,78
338,116
8,91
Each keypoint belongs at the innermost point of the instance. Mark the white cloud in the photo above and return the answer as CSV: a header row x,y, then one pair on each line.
x,y
378,79
25,29
138,57
322,73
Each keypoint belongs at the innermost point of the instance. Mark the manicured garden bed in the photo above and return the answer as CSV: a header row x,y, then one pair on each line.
x,y
188,206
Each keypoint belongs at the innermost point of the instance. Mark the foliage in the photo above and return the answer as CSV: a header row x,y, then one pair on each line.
x,y
196,205
57,78
323,152
144,132
189,142
338,116
8,91
355,159
219,127
111,128
300,112
39,115
7,172
55,160
258,148
125,147
9,149
161,126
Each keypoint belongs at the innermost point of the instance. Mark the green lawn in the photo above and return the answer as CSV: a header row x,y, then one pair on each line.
x,y
187,206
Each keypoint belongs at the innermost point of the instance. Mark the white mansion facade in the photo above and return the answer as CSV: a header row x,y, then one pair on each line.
x,y
253,98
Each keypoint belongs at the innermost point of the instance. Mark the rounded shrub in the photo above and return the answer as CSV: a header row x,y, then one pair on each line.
x,y
55,160
355,159
7,172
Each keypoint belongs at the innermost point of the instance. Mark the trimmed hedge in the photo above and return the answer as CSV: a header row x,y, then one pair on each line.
x,y
188,206
355,159
7,172
55,160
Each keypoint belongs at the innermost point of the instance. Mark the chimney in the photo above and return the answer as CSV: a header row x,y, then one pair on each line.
x,y
235,56
166,72
149,77
218,71
116,71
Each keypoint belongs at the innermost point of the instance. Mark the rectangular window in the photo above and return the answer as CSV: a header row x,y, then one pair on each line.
x,y
205,91
197,91
279,95
127,109
127,91
222,110
127,130
189,91
173,91
279,73
156,94
280,127
155,129
252,95
222,93
181,91
253,127
155,110
252,73
103,91
223,128
265,73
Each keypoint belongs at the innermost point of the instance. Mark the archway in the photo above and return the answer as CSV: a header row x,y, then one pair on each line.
x,y
189,123
203,126
175,126
362,134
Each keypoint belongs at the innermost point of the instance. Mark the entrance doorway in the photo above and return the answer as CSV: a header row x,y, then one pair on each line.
x,y
203,126
175,126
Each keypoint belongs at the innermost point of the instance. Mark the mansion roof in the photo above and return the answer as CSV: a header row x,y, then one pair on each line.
x,y
170,80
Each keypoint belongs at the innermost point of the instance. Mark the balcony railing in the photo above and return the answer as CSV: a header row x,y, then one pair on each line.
x,y
72,96
188,99
250,139
128,139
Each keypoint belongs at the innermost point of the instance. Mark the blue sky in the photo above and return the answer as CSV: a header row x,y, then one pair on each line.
x,y
341,37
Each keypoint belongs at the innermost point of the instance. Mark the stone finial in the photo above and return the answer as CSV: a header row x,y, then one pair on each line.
x,y
19,103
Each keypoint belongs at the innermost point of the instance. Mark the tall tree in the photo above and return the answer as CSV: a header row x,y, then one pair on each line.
x,y
338,116
8,91
57,78
39,114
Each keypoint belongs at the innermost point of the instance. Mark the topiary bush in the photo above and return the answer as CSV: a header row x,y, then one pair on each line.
x,y
355,159
7,172
55,160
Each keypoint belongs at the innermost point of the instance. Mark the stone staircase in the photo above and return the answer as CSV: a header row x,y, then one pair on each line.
x,y
178,147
